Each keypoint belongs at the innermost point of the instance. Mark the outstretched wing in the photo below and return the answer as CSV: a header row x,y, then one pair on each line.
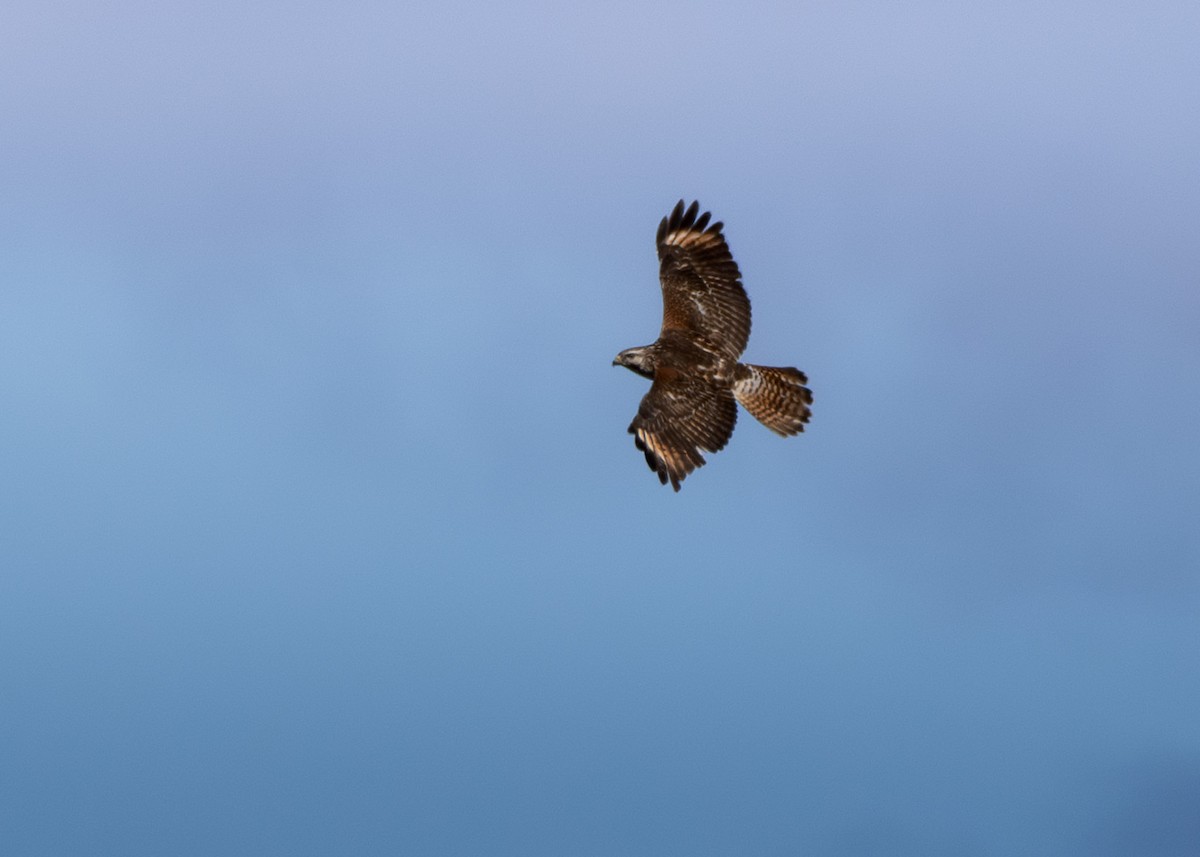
x,y
701,284
679,417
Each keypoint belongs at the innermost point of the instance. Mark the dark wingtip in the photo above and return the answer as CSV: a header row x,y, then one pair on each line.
x,y
671,221
684,216
689,216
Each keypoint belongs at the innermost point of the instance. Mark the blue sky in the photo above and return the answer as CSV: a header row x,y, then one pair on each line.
x,y
322,531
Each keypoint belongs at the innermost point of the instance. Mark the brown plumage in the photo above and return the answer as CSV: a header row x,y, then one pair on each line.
x,y
694,363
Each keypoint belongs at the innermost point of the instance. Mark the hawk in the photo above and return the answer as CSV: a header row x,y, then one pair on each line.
x,y
698,379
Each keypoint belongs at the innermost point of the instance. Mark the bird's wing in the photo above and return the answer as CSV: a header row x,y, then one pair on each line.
x,y
701,285
679,417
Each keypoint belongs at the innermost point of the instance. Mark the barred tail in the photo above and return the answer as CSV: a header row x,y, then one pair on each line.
x,y
775,396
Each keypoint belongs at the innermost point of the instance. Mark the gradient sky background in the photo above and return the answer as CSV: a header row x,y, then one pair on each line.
x,y
322,533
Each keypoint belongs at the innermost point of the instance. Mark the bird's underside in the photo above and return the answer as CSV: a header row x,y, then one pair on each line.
x,y
691,407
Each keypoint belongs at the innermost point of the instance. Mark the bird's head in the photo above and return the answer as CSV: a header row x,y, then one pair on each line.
x,y
636,360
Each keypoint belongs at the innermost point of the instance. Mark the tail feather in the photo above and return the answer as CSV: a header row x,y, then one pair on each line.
x,y
775,396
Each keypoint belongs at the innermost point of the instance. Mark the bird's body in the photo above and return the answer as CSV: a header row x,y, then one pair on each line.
x,y
694,364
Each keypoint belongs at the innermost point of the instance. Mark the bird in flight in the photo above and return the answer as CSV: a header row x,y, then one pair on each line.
x,y
698,379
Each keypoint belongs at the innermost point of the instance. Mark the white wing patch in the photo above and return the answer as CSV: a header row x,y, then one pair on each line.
x,y
690,238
